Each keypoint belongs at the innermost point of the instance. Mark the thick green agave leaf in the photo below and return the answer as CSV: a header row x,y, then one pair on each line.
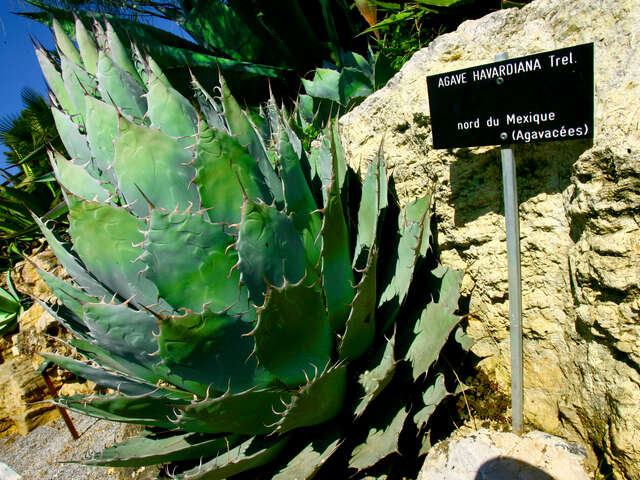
x,y
119,88
374,380
150,450
270,250
152,167
88,49
340,86
210,108
67,319
325,84
211,349
78,84
293,315
64,43
247,134
189,260
128,367
99,34
414,240
299,200
104,237
250,412
358,62
372,204
321,165
75,142
72,297
119,54
432,396
226,174
102,130
72,264
145,409
306,464
253,453
104,378
54,80
380,443
360,329
321,399
169,110
77,180
337,275
298,197
436,323
141,66
340,160
119,328
354,85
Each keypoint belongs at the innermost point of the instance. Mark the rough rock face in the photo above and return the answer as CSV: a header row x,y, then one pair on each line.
x,y
579,219
486,454
19,359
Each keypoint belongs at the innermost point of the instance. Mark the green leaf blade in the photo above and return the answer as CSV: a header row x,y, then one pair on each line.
x,y
270,250
189,261
293,316
161,174
212,350
150,450
436,323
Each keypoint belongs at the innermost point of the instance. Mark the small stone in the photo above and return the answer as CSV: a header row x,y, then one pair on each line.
x,y
490,455
6,473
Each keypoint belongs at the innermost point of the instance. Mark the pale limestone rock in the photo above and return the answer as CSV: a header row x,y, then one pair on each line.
x,y
19,354
27,280
21,386
579,219
489,455
7,473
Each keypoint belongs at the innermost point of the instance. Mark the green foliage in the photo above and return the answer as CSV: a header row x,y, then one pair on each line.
x,y
250,42
252,303
10,308
334,90
404,27
29,185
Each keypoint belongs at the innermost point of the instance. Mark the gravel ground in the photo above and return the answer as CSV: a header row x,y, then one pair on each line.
x,y
38,455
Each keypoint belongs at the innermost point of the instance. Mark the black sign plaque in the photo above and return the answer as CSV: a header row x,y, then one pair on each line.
x,y
538,98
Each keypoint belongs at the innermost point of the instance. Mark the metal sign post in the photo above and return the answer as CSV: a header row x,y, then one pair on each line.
x,y
510,189
545,97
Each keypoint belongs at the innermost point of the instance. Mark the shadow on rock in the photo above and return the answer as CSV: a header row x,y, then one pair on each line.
x,y
476,176
504,468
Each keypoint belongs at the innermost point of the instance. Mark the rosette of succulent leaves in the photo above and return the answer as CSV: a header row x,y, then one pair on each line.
x,y
251,303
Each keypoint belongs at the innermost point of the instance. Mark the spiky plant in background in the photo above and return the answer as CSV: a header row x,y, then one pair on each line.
x,y
251,304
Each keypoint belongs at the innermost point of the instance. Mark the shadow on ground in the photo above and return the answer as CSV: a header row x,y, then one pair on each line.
x,y
505,468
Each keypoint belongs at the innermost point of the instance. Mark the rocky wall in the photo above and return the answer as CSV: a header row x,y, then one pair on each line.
x,y
579,219
22,388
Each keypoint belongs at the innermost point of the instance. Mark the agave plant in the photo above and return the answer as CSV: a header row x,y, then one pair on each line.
x,y
246,301
249,41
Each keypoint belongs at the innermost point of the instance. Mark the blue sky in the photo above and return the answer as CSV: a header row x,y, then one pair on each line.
x,y
18,64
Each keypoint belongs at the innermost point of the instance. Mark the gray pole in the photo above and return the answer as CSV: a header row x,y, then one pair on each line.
x,y
515,294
